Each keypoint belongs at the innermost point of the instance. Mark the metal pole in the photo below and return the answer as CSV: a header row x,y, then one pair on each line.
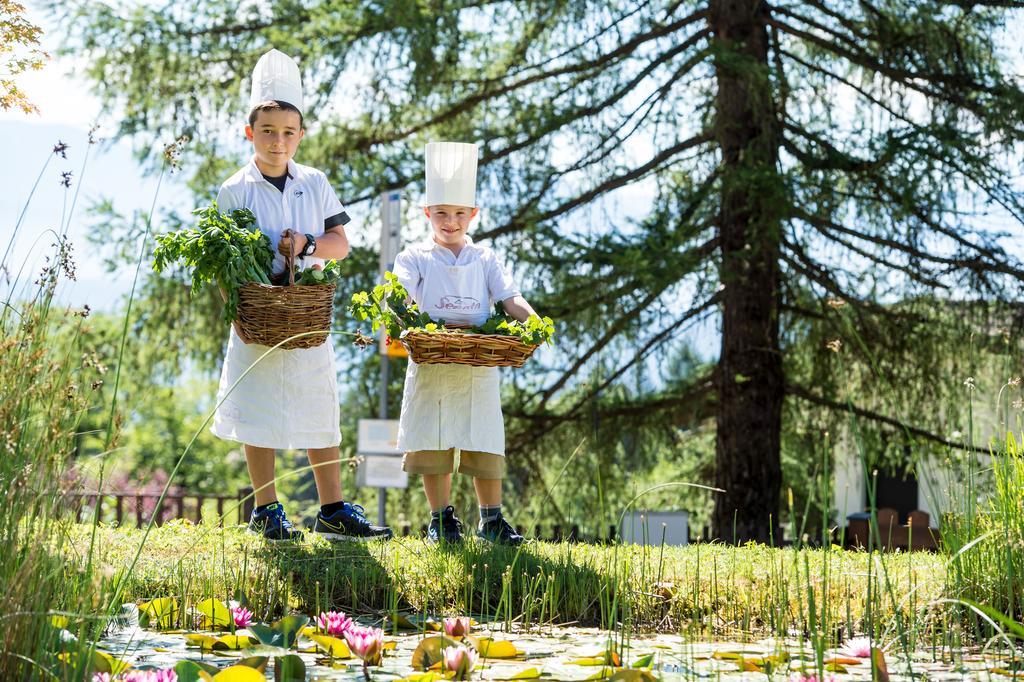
x,y
382,413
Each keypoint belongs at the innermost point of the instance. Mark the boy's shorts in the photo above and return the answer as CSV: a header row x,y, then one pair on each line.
x,y
471,463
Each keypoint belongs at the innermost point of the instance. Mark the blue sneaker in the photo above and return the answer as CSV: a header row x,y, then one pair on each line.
x,y
272,524
349,523
500,532
446,528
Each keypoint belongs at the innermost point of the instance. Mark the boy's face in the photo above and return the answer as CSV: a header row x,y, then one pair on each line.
x,y
275,137
450,223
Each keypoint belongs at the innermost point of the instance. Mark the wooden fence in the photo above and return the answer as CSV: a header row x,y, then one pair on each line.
x,y
134,507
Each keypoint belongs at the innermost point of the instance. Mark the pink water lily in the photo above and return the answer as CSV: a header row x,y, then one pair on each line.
x,y
167,675
456,627
242,616
333,623
858,647
459,660
366,643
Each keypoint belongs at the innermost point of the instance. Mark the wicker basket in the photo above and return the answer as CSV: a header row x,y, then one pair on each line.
x,y
268,315
459,348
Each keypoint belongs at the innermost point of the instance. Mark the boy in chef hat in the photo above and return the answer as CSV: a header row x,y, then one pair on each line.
x,y
449,411
289,399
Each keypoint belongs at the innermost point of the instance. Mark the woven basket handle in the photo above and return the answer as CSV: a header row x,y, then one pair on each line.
x,y
290,261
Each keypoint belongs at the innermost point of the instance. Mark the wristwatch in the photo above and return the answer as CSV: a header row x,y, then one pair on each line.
x,y
310,246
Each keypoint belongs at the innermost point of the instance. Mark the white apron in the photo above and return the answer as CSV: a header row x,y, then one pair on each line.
x,y
452,406
287,401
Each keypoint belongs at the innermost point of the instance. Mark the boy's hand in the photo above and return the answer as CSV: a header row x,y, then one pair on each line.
x,y
287,237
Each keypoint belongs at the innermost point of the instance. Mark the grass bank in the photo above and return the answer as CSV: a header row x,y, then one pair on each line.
x,y
706,590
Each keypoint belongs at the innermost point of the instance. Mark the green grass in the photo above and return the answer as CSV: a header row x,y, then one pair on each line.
x,y
707,590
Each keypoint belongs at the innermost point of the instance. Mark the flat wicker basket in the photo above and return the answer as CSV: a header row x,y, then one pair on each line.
x,y
269,314
462,348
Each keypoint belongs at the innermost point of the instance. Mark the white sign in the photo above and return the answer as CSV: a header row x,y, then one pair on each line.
x,y
381,471
652,528
390,229
378,437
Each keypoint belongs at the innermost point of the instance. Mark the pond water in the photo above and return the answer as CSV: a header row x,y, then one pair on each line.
x,y
561,653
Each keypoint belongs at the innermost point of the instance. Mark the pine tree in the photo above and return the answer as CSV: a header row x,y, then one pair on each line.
x,y
841,166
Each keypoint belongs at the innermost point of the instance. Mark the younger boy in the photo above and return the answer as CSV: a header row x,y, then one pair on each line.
x,y
455,410
289,399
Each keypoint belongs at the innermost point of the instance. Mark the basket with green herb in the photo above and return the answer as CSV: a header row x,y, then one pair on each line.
x,y
229,251
500,341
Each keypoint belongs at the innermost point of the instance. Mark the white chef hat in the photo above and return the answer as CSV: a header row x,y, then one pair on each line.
x,y
276,77
451,173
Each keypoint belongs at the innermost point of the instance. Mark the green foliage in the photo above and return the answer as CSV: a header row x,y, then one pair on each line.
x,y
225,249
389,306
533,332
330,274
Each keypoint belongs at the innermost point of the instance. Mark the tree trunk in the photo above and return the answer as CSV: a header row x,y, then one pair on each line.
x,y
749,378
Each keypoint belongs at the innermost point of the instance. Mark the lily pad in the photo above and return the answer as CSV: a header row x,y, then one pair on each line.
x,y
428,676
225,642
528,674
633,676
216,613
332,646
161,612
239,673
880,670
429,651
193,671
644,661
282,633
289,668
489,648
257,662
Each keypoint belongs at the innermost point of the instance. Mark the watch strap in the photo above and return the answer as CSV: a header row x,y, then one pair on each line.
x,y
310,246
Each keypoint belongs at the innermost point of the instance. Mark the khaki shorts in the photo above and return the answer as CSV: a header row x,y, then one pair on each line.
x,y
471,463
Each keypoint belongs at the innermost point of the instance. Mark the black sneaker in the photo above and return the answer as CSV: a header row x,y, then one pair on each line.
x,y
272,524
446,528
500,532
349,523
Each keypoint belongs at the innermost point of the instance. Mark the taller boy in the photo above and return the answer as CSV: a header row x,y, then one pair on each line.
x,y
289,400
450,410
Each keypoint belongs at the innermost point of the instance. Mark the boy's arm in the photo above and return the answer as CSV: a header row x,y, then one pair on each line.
x,y
503,288
332,244
519,308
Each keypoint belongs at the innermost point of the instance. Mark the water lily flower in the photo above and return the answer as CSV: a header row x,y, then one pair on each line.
x,y
167,675
456,627
333,622
858,647
242,616
460,661
366,643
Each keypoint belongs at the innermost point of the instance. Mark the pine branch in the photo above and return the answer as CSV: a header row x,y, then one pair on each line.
x,y
584,69
653,343
612,183
909,429
908,79
620,324
917,275
975,265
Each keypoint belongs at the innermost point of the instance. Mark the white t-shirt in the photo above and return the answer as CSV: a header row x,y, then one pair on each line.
x,y
461,289
306,202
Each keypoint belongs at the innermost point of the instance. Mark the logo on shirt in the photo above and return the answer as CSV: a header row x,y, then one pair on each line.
x,y
462,303
298,193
